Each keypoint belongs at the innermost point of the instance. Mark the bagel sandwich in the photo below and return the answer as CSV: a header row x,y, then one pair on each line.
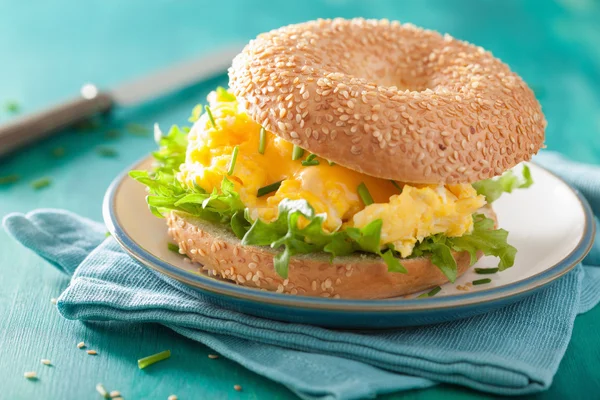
x,y
348,159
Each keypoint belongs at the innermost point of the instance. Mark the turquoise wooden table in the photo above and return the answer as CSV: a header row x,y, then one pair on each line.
x,y
49,49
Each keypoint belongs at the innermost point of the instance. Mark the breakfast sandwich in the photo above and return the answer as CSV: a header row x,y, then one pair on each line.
x,y
348,158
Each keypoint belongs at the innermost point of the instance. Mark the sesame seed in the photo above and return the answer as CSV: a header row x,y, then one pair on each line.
x,y
172,397
213,356
53,300
92,352
45,361
237,387
30,375
80,345
114,394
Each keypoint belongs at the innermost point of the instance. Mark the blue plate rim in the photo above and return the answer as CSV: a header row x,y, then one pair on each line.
x,y
223,288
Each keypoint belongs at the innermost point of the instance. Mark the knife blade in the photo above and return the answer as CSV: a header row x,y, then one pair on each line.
x,y
31,127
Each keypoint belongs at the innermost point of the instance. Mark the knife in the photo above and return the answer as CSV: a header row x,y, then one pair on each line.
x,y
31,127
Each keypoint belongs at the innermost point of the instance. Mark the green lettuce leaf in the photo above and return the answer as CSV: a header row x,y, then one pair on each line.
x,y
493,188
285,233
166,193
484,238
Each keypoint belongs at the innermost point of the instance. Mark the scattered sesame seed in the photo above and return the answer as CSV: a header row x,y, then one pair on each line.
x,y
115,393
45,361
213,356
172,397
80,345
53,300
237,387
92,352
30,375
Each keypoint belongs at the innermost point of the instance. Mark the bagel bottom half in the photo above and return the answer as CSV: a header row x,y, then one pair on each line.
x,y
359,276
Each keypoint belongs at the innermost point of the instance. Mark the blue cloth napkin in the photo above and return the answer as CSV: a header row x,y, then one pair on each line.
x,y
513,351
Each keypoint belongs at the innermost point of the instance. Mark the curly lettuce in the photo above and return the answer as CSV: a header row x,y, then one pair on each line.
x,y
493,188
484,238
286,234
166,193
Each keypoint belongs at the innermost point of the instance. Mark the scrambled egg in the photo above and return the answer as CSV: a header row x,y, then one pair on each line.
x,y
417,212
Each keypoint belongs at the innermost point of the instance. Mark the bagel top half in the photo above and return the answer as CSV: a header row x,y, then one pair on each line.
x,y
389,100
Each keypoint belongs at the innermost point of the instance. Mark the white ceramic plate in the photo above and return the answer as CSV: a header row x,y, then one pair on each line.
x,y
550,224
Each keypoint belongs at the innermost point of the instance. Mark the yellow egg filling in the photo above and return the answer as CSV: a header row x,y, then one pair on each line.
x,y
408,217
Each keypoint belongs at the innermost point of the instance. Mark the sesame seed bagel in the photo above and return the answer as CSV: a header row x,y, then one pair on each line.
x,y
359,276
389,100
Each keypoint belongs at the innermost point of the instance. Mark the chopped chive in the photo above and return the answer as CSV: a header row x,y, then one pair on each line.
x,y
173,247
146,361
268,189
297,153
396,186
233,160
262,141
112,134
106,151
364,194
224,94
87,125
331,163
8,179
107,234
482,281
40,183
137,129
310,160
210,116
431,293
103,392
485,271
12,107
58,152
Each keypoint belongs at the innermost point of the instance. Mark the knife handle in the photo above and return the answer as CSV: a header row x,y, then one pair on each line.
x,y
31,127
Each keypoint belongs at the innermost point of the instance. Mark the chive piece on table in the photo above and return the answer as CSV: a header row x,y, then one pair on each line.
x,y
482,281
310,160
106,151
137,129
8,179
12,107
396,185
431,293
485,271
112,134
262,141
233,160
297,153
173,247
103,392
58,152
146,361
364,194
41,183
210,117
268,189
